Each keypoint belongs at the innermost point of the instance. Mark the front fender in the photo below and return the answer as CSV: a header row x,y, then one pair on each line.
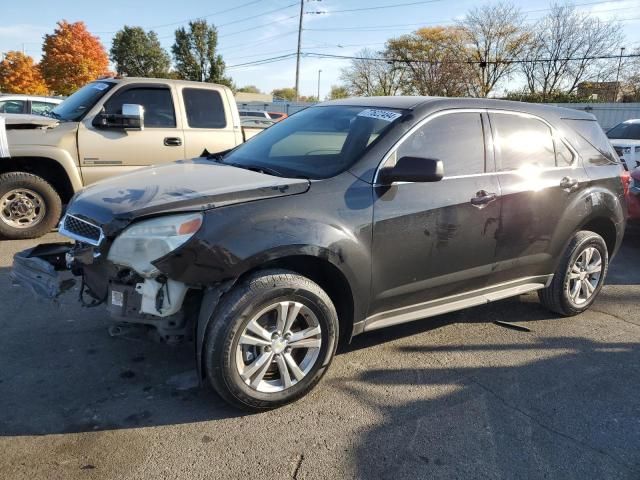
x,y
59,155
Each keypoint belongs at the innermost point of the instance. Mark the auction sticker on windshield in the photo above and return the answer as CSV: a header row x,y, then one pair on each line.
x,y
378,114
99,86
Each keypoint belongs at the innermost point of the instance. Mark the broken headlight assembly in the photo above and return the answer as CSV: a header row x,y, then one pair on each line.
x,y
148,240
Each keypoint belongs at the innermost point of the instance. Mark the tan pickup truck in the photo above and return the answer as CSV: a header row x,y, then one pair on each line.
x,y
108,127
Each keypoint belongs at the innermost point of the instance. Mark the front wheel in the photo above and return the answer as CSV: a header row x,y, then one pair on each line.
x,y
579,277
271,340
29,206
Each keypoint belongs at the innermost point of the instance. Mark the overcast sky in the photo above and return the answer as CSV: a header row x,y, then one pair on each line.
x,y
268,28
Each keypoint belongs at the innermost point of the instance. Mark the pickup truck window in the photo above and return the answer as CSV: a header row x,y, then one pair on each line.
x,y
204,108
158,106
77,105
319,142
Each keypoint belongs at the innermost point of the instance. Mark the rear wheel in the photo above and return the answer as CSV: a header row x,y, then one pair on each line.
x,y
579,277
271,340
29,206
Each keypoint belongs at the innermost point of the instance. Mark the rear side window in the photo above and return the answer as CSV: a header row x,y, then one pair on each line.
x,y
456,138
157,102
522,141
591,142
204,108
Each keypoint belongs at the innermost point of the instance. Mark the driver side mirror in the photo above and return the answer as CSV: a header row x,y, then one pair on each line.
x,y
131,118
413,169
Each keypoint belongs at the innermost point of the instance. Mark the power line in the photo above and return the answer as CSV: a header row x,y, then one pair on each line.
x,y
264,61
380,7
257,26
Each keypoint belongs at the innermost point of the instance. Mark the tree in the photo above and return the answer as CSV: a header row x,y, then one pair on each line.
x,y
337,92
137,53
72,57
249,89
194,53
493,35
434,61
18,74
286,93
562,49
369,75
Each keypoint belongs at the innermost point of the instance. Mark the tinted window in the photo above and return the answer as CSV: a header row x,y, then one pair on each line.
x,y
157,103
457,139
591,142
564,156
318,142
522,141
204,108
41,108
629,131
252,114
12,106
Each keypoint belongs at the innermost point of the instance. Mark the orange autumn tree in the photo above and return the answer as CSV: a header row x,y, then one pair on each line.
x,y
18,74
72,57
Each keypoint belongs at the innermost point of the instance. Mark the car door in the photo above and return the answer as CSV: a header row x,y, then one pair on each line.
x,y
539,177
210,126
13,106
435,240
110,151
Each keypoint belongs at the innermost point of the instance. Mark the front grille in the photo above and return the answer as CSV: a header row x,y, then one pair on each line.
x,y
81,230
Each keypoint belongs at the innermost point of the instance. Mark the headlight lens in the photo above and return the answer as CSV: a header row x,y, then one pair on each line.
x,y
142,243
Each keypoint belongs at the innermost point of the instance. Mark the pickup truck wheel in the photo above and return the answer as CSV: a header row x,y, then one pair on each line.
x,y
271,340
29,206
579,277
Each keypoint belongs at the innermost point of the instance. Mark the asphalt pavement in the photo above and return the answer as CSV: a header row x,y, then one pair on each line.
x,y
452,397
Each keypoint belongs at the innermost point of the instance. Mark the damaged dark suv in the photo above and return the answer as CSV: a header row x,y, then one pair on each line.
x,y
349,216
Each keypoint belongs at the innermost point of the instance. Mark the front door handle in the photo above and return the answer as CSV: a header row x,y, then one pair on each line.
x,y
172,141
483,198
569,184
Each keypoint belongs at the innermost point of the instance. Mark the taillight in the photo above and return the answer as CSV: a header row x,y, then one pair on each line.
x,y
625,176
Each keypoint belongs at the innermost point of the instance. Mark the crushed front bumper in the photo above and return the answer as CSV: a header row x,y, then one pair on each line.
x,y
43,269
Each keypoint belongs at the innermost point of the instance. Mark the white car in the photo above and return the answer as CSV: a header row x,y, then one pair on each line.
x,y
625,138
27,104
254,114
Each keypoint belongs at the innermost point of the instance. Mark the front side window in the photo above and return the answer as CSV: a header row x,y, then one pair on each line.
x,y
157,102
456,138
521,142
318,142
41,108
204,108
12,106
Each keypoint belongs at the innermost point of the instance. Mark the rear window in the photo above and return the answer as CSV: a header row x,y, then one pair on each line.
x,y
204,108
591,142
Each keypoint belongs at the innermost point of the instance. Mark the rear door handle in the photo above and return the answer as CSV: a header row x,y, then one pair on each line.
x,y
569,184
172,141
483,198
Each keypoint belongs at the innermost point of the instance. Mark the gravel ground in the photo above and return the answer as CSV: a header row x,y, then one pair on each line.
x,y
456,396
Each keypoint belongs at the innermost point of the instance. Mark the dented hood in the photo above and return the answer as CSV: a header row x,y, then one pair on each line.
x,y
18,120
189,185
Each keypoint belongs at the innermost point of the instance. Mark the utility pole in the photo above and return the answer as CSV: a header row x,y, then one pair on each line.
x,y
299,47
319,72
615,98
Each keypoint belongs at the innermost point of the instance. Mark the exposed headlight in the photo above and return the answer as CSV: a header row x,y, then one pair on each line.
x,y
143,242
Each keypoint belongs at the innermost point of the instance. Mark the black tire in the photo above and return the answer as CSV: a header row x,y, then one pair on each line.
x,y
556,296
52,205
236,310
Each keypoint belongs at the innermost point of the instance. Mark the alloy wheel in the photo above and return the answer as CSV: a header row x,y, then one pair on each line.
x,y
278,347
584,276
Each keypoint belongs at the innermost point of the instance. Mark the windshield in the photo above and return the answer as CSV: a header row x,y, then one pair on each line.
x,y
630,131
74,107
319,142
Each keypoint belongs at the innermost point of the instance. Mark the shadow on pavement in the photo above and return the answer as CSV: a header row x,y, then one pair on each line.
x,y
564,414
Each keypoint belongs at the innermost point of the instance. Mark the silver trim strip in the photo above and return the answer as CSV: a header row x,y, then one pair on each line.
x,y
63,231
456,302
